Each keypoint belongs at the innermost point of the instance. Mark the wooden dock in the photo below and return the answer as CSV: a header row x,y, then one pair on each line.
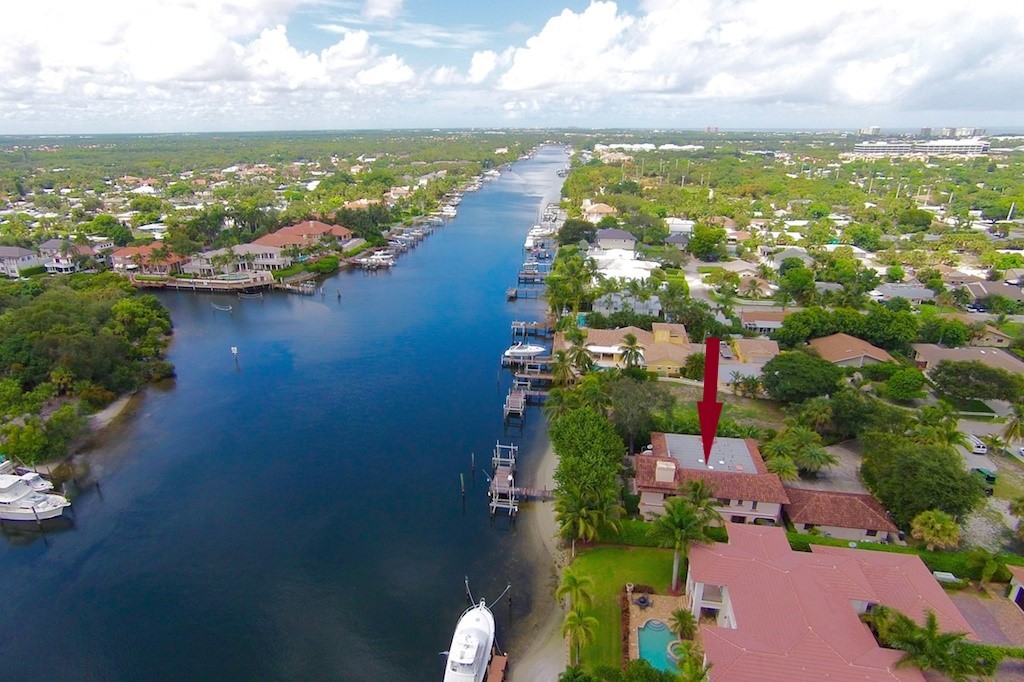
x,y
198,284
524,292
537,362
529,277
515,404
497,668
503,493
524,329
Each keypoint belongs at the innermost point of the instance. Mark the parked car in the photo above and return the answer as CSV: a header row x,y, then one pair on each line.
x,y
987,475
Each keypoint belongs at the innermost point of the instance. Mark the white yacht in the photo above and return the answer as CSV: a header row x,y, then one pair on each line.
x,y
20,502
37,482
470,651
524,350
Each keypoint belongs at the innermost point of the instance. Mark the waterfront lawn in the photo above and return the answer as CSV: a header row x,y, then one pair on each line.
x,y
611,568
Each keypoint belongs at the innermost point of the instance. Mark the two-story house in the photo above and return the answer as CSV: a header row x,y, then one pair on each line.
x,y
745,491
14,260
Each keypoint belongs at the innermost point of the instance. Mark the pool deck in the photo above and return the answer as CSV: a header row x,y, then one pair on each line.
x,y
661,609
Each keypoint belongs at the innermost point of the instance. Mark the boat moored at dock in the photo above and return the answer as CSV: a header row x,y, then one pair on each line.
x,y
19,501
471,645
524,350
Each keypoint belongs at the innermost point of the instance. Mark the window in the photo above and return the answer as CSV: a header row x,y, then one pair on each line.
x,y
753,505
871,533
724,501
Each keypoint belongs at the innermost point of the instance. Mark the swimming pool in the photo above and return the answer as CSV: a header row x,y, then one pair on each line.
x,y
654,638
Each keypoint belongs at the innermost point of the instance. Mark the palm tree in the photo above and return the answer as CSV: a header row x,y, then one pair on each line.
x,y
632,351
580,630
735,380
575,589
592,392
575,517
559,402
561,369
814,458
677,527
928,648
777,447
935,528
579,354
816,413
985,563
1013,430
783,298
691,663
699,494
683,623
752,288
995,444
783,467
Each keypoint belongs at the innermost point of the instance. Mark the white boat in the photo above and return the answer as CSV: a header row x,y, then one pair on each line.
x,y
524,350
19,502
470,651
36,482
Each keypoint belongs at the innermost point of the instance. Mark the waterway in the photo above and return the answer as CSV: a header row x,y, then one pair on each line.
x,y
297,515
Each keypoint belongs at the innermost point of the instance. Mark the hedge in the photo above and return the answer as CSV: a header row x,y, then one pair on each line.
x,y
639,533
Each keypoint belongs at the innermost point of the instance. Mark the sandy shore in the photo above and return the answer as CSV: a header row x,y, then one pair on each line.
x,y
544,658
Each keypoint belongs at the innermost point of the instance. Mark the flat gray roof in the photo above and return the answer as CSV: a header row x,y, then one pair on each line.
x,y
727,454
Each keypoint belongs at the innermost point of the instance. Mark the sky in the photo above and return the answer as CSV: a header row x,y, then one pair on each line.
x,y
138,66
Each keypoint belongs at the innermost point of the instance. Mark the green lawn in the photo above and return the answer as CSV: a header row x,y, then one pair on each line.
x,y
705,269
611,568
970,405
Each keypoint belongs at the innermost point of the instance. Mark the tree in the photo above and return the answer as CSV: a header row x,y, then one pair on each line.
x,y
561,369
968,379
909,478
574,230
691,664
680,525
683,623
985,563
580,630
576,674
707,243
794,376
905,385
894,274
632,351
936,529
634,404
783,467
583,514
928,648
1013,430
693,367
575,589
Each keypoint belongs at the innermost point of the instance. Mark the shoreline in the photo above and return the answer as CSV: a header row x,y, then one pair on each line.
x,y
96,425
544,656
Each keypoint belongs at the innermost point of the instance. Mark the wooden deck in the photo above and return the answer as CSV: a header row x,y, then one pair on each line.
x,y
496,670
512,293
522,328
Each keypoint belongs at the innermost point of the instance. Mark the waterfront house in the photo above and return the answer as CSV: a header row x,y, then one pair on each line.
x,y
614,238
14,260
745,491
61,257
770,613
141,259
664,350
844,350
847,516
314,232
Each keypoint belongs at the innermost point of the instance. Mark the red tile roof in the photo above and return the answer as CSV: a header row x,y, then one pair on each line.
x,y
842,510
793,611
756,486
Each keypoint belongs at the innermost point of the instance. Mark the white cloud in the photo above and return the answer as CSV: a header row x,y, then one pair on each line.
x,y
190,64
382,9
482,65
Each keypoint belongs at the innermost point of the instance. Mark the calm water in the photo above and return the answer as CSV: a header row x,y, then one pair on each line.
x,y
299,517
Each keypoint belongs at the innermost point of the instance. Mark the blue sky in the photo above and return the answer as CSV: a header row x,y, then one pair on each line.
x,y
191,65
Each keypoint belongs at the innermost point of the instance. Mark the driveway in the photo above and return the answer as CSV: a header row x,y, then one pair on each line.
x,y
996,620
844,477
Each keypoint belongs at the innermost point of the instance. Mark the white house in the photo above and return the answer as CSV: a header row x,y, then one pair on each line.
x,y
14,259
614,238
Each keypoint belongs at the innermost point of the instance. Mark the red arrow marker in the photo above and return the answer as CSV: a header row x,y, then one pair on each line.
x,y
709,409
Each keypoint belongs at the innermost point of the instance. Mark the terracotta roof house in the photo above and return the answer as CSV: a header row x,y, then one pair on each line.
x,y
746,491
763,321
955,278
848,516
848,351
928,355
786,616
141,258
314,231
280,240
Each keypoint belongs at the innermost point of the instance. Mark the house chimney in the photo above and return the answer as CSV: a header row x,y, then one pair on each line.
x,y
665,472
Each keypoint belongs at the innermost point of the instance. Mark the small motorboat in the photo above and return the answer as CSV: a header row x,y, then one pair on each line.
x,y
470,651
36,482
524,350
